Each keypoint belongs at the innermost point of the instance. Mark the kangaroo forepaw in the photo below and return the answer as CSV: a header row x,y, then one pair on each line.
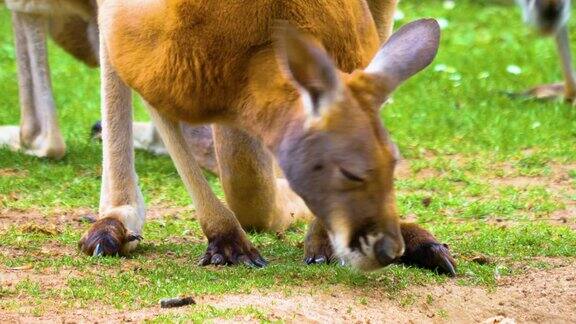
x,y
317,246
318,252
108,237
433,256
232,250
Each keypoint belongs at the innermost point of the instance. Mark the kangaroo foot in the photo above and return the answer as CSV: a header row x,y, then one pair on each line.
x,y
10,137
548,92
108,237
232,249
317,246
423,250
39,146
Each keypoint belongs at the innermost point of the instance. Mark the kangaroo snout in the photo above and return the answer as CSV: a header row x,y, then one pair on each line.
x,y
368,250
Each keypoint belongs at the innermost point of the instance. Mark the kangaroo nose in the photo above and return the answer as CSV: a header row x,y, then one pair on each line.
x,y
388,249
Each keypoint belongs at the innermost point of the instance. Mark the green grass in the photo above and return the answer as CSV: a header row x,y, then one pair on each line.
x,y
453,120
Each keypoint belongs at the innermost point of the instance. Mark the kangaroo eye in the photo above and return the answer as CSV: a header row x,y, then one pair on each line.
x,y
351,176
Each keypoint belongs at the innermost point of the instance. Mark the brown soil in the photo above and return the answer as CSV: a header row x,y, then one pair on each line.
x,y
545,296
75,218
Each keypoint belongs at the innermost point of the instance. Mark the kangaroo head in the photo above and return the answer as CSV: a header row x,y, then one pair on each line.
x,y
547,16
341,161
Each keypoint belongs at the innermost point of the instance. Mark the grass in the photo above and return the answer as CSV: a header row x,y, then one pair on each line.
x,y
464,138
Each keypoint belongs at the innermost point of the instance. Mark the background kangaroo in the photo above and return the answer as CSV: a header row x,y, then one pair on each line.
x,y
282,96
72,25
550,17
75,29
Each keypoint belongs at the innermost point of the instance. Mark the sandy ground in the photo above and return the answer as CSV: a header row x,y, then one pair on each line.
x,y
546,296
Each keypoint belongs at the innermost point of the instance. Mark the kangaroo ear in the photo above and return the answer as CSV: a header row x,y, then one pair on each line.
x,y
408,51
307,64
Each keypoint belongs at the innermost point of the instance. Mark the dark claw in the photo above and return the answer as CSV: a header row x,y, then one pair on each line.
x,y
443,260
260,262
320,259
231,249
133,237
204,261
433,256
98,251
446,267
217,259
246,261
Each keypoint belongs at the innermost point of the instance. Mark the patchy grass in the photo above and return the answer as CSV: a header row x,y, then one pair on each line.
x,y
498,175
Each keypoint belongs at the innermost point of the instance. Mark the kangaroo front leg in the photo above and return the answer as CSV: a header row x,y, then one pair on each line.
x,y
39,133
121,205
227,242
260,200
317,246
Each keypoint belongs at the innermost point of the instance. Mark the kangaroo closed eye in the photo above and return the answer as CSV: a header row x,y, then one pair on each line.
x,y
351,176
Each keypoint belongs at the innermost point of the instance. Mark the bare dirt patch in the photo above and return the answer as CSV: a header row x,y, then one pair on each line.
x,y
543,296
76,217
57,219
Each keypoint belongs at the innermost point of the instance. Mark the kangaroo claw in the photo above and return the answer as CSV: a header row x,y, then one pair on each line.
x,y
98,251
433,256
232,249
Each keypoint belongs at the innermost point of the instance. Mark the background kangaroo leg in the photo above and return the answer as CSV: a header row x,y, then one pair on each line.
x,y
260,200
121,204
566,89
199,139
227,241
39,133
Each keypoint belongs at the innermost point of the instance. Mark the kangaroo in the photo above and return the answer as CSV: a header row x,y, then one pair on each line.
x,y
276,82
72,25
550,17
